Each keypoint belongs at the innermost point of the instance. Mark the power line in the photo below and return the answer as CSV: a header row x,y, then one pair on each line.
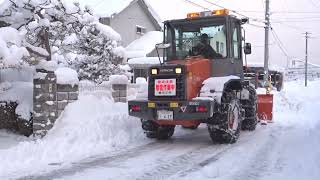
x,y
279,43
291,26
198,5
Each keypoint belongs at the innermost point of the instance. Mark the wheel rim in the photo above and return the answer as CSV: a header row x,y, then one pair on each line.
x,y
233,116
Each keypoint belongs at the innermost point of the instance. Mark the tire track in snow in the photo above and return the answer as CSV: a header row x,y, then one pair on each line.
x,y
192,161
93,162
260,163
106,160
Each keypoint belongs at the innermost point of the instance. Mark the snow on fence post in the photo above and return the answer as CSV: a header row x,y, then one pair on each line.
x,y
53,90
119,84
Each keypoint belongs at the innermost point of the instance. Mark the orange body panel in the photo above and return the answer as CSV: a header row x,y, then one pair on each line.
x,y
265,105
198,70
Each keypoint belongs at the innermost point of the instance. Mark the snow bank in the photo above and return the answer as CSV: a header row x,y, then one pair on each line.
x,y
144,45
145,60
302,104
66,76
87,127
22,94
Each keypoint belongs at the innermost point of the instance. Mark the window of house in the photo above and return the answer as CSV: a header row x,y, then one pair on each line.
x,y
140,30
217,47
221,48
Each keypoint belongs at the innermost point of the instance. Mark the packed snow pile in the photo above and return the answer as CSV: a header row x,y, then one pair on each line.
x,y
88,126
144,45
21,93
66,76
302,101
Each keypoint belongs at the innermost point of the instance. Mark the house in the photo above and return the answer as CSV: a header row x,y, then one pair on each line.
x,y
133,21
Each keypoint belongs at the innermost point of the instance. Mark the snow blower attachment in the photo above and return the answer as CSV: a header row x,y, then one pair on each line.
x,y
265,105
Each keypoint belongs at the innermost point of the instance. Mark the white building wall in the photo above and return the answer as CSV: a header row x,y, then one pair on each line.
x,y
126,22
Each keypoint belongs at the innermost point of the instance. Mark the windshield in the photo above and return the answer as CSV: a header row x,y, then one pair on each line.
x,y
192,40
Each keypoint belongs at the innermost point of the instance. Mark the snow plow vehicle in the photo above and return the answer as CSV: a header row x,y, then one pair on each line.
x,y
200,81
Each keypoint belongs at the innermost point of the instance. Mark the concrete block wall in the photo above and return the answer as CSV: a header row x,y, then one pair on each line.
x,y
119,92
49,100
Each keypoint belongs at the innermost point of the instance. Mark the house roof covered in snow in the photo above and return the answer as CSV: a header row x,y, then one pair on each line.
x,y
144,45
161,10
111,8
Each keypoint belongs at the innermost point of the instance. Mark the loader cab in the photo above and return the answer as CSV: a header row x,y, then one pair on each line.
x,y
217,32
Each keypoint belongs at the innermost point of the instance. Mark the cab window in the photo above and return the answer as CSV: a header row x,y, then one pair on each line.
x,y
236,43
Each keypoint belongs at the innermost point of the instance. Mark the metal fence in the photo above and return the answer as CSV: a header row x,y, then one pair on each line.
x,y
105,90
299,73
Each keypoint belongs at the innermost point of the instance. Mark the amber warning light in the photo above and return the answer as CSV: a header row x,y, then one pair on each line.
x,y
208,13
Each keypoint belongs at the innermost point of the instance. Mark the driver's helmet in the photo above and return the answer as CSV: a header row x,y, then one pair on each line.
x,y
204,38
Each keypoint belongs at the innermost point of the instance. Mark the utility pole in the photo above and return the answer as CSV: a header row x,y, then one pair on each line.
x,y
266,44
306,61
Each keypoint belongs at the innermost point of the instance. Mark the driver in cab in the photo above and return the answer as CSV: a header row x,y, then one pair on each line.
x,y
203,48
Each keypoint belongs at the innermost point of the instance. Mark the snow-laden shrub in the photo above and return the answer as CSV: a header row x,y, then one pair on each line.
x,y
64,32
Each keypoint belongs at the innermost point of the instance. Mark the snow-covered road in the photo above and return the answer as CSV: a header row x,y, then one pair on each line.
x,y
289,148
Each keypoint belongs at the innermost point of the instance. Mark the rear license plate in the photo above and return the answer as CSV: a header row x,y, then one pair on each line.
x,y
165,115
165,87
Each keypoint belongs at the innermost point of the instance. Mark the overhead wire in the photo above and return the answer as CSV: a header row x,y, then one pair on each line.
x,y
279,43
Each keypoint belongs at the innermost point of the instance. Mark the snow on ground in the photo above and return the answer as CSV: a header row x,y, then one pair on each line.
x,y
9,139
289,148
88,126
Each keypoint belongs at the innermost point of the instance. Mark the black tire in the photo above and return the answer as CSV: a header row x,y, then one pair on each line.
x,y
153,130
228,120
250,107
165,132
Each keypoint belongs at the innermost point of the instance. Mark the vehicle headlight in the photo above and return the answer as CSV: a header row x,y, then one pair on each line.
x,y
178,70
154,71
